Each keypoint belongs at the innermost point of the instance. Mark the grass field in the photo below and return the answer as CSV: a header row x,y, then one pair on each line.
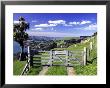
x,y
18,66
34,70
57,70
89,69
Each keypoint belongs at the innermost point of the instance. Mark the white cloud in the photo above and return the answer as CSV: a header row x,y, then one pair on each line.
x,y
75,23
42,25
39,29
51,25
45,25
79,23
15,21
57,22
91,27
85,22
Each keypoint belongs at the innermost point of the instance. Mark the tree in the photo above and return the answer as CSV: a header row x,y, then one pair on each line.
x,y
20,34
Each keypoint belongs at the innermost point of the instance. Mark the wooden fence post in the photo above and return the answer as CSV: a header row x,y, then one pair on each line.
x,y
85,56
68,59
29,56
93,39
91,45
51,57
67,54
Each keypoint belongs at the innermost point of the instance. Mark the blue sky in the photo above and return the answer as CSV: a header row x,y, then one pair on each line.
x,y
59,24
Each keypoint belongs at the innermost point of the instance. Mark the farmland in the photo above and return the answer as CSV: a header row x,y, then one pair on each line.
x,y
70,44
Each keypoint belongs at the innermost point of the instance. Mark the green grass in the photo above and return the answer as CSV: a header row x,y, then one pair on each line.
x,y
59,49
79,46
18,66
93,54
69,38
34,70
58,62
74,62
90,69
57,70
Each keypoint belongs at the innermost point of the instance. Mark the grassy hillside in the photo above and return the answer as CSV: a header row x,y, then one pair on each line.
x,y
91,67
18,67
69,38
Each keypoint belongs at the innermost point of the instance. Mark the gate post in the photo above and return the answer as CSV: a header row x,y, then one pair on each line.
x,y
85,56
30,56
51,57
28,61
91,45
67,60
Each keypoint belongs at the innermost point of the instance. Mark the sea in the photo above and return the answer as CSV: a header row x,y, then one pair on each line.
x,y
16,47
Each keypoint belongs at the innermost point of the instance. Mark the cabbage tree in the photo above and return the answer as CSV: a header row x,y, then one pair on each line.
x,y
20,34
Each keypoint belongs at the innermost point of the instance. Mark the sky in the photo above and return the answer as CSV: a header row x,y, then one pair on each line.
x,y
59,24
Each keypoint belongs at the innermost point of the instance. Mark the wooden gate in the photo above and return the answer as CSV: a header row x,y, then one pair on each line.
x,y
68,58
59,58
55,58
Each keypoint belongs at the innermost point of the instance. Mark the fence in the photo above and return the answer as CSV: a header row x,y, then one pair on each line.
x,y
66,58
55,58
28,64
60,58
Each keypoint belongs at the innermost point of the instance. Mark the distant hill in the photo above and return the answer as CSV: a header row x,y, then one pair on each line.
x,y
16,46
44,38
69,38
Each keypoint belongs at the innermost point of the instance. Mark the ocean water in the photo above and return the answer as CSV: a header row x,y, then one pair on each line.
x,y
16,47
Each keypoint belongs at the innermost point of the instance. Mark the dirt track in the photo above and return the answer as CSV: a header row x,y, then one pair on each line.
x,y
44,70
70,71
